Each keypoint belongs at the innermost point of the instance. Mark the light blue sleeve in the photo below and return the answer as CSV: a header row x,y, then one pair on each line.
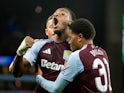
x,y
32,53
74,67
56,86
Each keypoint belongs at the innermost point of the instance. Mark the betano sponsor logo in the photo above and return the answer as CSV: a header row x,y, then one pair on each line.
x,y
51,65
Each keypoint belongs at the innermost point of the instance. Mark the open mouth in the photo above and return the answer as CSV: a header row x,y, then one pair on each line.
x,y
55,21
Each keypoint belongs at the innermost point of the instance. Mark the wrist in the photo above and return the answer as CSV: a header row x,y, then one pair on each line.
x,y
22,48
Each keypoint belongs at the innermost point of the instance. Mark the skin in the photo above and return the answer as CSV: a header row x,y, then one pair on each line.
x,y
63,18
49,28
77,41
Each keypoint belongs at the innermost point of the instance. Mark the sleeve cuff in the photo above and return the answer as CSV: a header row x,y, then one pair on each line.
x,y
39,78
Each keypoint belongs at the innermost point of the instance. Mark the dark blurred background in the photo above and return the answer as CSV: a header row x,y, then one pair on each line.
x,y
19,18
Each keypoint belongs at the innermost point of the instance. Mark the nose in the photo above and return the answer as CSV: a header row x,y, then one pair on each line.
x,y
55,15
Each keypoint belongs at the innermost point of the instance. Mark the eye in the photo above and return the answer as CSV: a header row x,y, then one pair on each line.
x,y
62,14
50,26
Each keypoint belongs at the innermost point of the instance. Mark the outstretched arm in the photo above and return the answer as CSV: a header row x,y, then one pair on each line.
x,y
51,86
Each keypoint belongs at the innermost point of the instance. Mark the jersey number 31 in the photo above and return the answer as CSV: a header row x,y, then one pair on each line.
x,y
102,72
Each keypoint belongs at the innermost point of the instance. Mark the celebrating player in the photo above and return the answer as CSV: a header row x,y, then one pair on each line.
x,y
49,54
87,69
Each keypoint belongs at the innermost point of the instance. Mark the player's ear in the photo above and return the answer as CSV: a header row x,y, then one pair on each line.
x,y
46,32
80,36
70,22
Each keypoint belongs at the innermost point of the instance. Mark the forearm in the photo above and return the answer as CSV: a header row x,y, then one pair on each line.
x,y
52,86
18,66
15,65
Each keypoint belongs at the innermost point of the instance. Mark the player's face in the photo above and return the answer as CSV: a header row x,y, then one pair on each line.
x,y
49,29
74,40
62,18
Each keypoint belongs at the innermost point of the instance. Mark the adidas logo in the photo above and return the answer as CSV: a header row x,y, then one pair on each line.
x,y
47,51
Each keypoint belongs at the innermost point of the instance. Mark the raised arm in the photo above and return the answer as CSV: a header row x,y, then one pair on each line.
x,y
20,65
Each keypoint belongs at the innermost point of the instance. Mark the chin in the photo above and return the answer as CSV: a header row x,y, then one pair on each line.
x,y
72,49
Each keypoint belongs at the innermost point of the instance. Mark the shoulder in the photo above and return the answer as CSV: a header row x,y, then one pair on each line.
x,y
74,57
41,42
74,54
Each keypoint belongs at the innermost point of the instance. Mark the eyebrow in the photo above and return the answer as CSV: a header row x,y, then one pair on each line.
x,y
64,10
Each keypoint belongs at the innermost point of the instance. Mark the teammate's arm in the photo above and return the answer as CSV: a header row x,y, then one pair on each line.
x,y
74,67
52,86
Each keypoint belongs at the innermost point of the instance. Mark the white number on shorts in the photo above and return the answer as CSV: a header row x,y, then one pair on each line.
x,y
102,72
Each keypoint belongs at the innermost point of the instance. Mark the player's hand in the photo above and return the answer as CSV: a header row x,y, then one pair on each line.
x,y
29,41
11,67
26,43
39,71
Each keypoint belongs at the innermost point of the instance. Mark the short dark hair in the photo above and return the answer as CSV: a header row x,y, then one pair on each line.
x,y
83,26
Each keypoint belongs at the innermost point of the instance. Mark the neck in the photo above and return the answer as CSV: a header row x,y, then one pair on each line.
x,y
89,42
62,38
86,42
